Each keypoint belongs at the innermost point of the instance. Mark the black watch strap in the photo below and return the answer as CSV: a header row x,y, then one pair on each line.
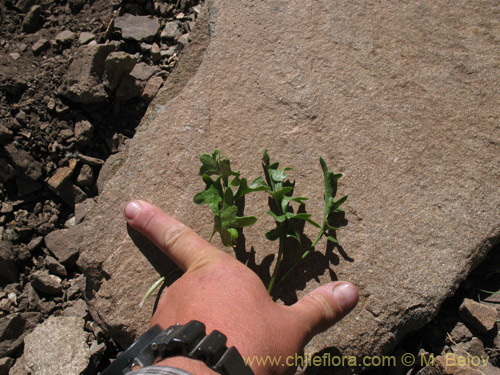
x,y
187,340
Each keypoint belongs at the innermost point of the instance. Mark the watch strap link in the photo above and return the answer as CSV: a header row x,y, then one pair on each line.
x,y
187,340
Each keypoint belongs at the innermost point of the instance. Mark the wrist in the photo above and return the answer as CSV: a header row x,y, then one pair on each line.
x,y
193,366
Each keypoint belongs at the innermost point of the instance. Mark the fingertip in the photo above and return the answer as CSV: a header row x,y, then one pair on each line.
x,y
132,209
346,295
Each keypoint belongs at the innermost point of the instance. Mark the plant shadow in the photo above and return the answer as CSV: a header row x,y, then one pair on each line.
x,y
313,266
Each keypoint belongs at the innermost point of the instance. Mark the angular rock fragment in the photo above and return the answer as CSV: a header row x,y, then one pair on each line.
x,y
480,316
65,37
83,132
143,71
55,267
25,5
8,265
40,45
117,64
86,176
82,82
79,309
65,244
82,208
5,364
62,185
85,37
151,88
13,328
171,31
137,28
58,346
29,299
24,162
46,283
33,19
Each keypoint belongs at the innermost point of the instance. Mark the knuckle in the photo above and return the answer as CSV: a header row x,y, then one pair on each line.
x,y
322,308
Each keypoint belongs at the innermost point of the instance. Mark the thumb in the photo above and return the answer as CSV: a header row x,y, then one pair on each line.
x,y
325,306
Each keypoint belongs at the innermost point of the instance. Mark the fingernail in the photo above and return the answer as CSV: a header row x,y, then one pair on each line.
x,y
132,209
346,296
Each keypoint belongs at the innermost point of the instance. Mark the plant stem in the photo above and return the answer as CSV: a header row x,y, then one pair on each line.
x,y
304,255
278,263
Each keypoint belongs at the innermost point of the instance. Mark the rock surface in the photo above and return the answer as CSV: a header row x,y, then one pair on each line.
x,y
411,122
137,28
57,346
481,317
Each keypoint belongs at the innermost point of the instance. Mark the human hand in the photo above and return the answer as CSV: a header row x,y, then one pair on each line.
x,y
219,291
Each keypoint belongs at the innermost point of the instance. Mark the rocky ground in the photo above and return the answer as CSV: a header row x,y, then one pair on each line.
x,y
76,77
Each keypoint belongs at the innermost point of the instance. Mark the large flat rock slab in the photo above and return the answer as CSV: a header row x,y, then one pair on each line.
x,y
402,98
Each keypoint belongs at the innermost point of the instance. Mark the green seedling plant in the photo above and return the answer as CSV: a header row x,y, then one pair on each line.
x,y
281,191
224,194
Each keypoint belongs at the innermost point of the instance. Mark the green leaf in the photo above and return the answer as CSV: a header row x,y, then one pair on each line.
x,y
245,221
273,234
278,218
278,175
295,234
330,238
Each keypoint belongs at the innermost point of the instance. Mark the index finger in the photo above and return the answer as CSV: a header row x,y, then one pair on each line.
x,y
178,241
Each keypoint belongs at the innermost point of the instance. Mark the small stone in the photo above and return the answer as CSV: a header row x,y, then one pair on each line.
x,y
46,348
8,265
5,135
70,222
25,5
460,333
137,28
77,287
85,37
20,367
97,349
76,5
184,39
79,309
41,45
29,298
63,174
143,71
129,88
151,88
480,316
47,307
46,283
165,53
13,328
66,133
145,47
55,267
24,162
82,82
33,20
5,364
171,31
82,208
86,176
91,161
84,132
64,38
117,64
64,244
34,243
15,56
155,53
